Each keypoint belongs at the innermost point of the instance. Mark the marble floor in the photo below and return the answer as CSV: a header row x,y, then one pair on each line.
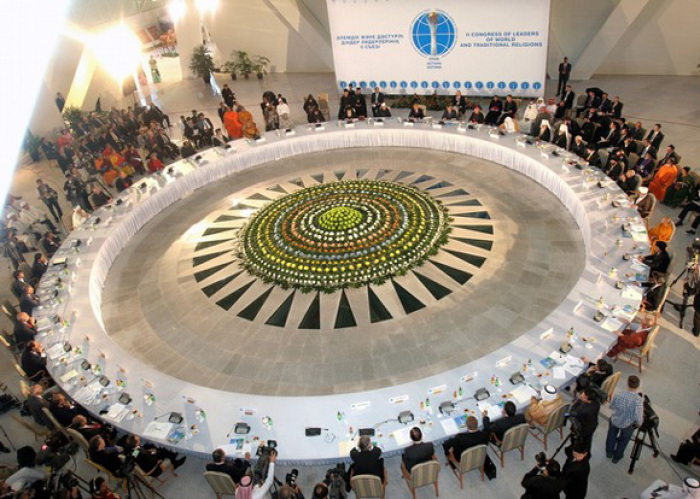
x,y
511,259
670,380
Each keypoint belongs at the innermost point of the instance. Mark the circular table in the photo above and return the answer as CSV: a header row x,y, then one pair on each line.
x,y
72,290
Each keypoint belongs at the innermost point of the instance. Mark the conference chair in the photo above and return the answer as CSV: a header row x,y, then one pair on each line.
x,y
514,438
471,459
635,356
10,311
153,481
555,422
101,469
610,384
79,439
367,486
37,430
7,341
54,422
323,105
424,474
221,483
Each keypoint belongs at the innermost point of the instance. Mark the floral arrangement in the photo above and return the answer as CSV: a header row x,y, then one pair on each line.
x,y
348,233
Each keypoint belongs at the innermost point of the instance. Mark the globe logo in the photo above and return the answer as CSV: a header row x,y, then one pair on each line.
x,y
433,33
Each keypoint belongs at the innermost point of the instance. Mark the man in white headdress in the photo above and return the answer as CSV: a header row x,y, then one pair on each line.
x,y
541,408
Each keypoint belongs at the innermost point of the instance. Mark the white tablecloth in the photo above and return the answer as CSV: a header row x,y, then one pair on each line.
x,y
285,419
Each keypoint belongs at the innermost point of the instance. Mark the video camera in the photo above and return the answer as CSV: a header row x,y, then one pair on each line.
x,y
651,419
291,478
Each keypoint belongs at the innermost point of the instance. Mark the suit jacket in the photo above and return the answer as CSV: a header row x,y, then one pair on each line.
x,y
655,139
616,110
34,405
33,363
564,69
540,486
23,333
606,106
502,425
235,469
368,462
568,99
18,287
464,441
377,99
575,475
476,117
417,454
27,303
38,269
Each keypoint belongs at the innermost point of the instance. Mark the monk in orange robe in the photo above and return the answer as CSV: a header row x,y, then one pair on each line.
x,y
662,232
233,125
250,129
664,178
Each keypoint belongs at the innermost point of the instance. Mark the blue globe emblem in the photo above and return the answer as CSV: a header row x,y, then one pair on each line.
x,y
513,85
524,85
479,85
435,84
468,84
343,84
433,33
537,85
373,84
392,84
490,85
363,84
424,84
382,84
501,85
414,84
404,84
445,84
457,84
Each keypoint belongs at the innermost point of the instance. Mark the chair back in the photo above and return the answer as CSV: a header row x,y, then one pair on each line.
x,y
425,473
367,486
9,311
220,483
472,458
610,384
54,422
78,438
555,419
20,371
323,105
24,388
649,342
515,437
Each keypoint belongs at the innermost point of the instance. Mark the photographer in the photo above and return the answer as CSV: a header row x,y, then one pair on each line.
x,y
246,489
627,414
575,472
584,417
288,491
543,481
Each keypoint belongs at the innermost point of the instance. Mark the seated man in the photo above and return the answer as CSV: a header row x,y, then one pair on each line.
x,y
644,201
633,336
419,452
18,284
462,441
28,301
25,329
659,259
629,181
236,469
477,117
541,408
654,294
449,113
689,450
187,150
383,112
99,198
510,418
35,403
62,409
367,459
108,458
151,458
90,429
34,361
416,113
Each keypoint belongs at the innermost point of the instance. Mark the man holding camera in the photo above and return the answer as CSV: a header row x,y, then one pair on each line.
x,y
627,414
544,480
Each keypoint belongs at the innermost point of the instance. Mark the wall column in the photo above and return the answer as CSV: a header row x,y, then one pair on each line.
x,y
189,35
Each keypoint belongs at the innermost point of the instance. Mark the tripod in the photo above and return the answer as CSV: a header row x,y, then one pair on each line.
x,y
134,483
689,288
563,443
640,443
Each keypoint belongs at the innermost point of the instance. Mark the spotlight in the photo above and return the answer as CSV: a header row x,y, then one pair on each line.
x,y
177,10
117,49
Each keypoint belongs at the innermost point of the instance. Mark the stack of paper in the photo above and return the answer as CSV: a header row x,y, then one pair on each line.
x,y
493,411
611,324
523,393
402,436
631,293
117,412
156,429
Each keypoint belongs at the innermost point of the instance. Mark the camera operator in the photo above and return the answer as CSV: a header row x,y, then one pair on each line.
x,y
151,458
627,414
248,490
584,417
575,472
544,480
288,491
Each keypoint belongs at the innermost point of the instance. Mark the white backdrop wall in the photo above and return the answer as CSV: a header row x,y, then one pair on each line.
x,y
407,46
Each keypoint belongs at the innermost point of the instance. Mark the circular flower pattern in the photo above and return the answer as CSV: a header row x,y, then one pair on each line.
x,y
347,233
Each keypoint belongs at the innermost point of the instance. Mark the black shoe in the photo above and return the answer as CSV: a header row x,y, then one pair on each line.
x,y
679,224
690,231
179,462
4,449
675,458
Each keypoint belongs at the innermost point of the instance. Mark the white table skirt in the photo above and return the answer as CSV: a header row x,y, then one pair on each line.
x,y
594,214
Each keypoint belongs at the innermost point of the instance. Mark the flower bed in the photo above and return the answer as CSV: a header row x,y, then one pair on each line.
x,y
341,234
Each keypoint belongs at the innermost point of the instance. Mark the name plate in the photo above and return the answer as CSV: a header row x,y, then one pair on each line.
x,y
378,123
248,411
504,361
407,123
349,125
494,136
320,128
544,155
437,126
565,168
437,389
469,377
398,400
547,334
361,406
461,129
290,132
521,143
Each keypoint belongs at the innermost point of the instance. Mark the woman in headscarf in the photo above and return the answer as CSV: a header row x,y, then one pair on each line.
x,y
246,489
284,113
233,125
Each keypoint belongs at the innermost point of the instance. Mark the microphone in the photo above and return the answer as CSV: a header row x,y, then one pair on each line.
x,y
162,415
232,428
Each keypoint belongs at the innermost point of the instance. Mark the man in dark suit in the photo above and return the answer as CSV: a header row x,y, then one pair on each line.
x,y
454,447
670,153
367,459
543,481
645,166
575,472
568,97
236,469
564,74
612,137
28,301
459,102
592,156
638,131
18,284
510,418
646,147
477,117
39,267
34,361
419,452
376,101
616,108
605,105
655,137
592,101
25,330
35,403
510,110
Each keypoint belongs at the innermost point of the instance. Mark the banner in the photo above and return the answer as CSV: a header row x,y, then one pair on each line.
x,y
412,46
